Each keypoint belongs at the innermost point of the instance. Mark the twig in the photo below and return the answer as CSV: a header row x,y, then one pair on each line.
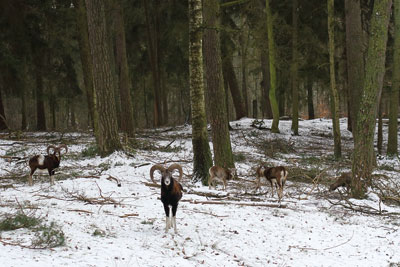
x,y
141,165
78,210
129,215
208,213
307,248
170,143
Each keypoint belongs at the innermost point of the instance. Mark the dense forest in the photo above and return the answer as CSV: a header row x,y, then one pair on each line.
x,y
119,66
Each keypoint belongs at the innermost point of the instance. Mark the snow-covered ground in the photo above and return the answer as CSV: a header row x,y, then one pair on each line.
x,y
124,226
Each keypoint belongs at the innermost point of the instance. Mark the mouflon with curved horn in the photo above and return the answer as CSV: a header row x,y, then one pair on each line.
x,y
171,192
51,161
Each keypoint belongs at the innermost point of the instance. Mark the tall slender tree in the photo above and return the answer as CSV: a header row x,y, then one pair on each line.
x,y
40,110
310,98
355,56
202,159
394,91
363,155
272,70
127,124
153,41
215,91
230,76
244,41
103,79
84,50
295,68
3,122
334,92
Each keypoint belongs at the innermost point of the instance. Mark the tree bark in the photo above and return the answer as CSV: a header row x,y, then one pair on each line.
x,y
355,56
24,123
154,56
363,155
394,91
295,69
212,58
87,68
310,99
127,123
233,85
103,79
40,112
243,46
265,85
334,92
380,130
3,122
272,70
202,159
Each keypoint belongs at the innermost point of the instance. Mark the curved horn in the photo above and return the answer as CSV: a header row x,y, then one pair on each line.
x,y
49,147
154,168
63,146
178,167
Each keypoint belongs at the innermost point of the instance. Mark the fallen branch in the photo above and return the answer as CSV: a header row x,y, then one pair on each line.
x,y
208,213
190,191
191,201
20,245
129,215
78,210
316,249
11,158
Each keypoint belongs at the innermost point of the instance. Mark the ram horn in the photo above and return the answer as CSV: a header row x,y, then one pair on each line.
x,y
176,167
154,168
49,147
63,146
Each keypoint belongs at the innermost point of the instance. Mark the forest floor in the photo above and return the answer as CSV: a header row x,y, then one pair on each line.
x,y
86,219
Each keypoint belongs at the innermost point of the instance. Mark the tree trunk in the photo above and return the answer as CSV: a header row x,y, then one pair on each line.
x,y
212,58
310,98
3,122
272,70
363,155
394,91
24,123
40,112
265,85
202,159
84,50
380,125
295,69
355,59
52,105
334,92
233,85
127,123
164,96
243,46
103,79
154,54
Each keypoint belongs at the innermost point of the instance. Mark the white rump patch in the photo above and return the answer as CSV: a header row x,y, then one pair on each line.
x,y
41,160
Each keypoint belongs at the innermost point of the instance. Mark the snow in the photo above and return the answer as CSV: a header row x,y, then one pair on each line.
x,y
307,231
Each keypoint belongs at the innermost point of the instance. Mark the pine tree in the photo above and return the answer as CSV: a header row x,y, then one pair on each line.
x,y
103,80
202,160
272,70
215,91
394,91
334,92
363,155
